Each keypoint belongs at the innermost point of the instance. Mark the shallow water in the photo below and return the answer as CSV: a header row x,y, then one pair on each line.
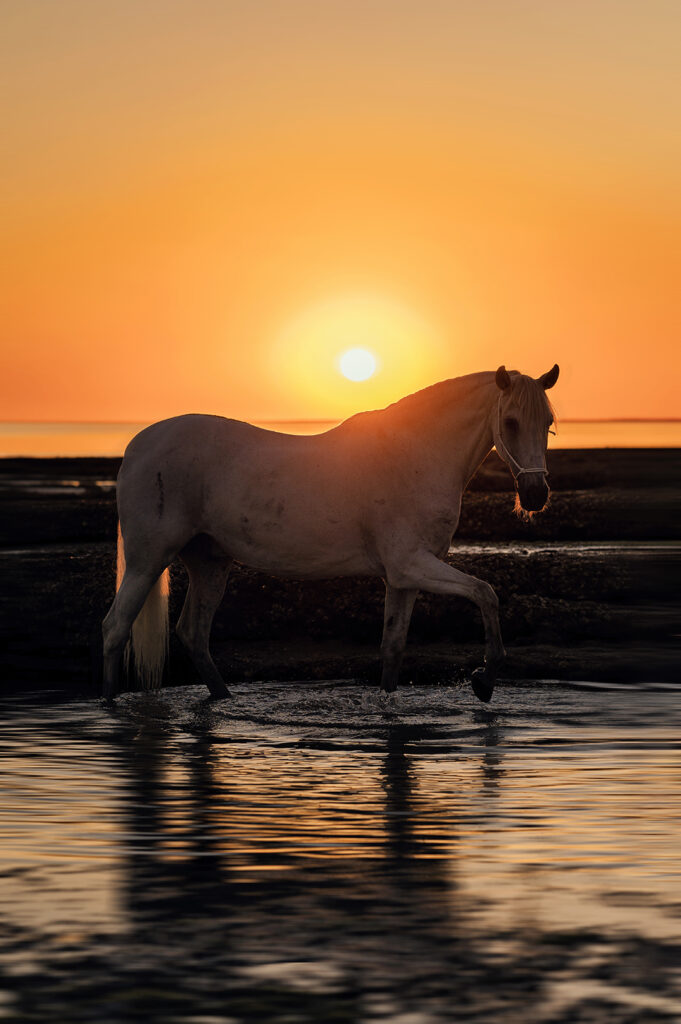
x,y
589,549
314,852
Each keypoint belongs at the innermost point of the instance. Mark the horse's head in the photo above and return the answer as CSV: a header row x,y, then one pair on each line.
x,y
521,421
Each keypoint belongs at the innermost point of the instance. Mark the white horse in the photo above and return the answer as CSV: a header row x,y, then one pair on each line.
x,y
378,495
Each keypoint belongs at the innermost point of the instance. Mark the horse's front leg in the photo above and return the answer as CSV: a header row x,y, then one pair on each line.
x,y
399,605
424,571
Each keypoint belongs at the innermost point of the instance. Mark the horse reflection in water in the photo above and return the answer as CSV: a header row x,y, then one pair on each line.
x,y
379,495
254,925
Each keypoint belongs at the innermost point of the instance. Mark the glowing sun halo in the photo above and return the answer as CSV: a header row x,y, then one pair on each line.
x,y
352,352
357,364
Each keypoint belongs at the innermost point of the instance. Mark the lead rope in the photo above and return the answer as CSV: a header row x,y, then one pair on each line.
x,y
504,452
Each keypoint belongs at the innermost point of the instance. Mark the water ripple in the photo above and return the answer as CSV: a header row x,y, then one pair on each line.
x,y
324,852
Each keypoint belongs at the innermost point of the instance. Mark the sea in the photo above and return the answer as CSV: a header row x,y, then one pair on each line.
x,y
51,439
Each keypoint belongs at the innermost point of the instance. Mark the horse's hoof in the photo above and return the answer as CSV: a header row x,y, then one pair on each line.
x,y
219,694
109,692
483,688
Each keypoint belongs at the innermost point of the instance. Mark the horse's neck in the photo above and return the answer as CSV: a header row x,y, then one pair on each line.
x,y
460,438
485,437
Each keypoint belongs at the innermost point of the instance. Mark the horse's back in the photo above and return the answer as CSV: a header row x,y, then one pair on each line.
x,y
291,504
183,434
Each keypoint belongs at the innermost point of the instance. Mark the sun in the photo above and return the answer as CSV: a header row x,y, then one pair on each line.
x,y
357,364
354,351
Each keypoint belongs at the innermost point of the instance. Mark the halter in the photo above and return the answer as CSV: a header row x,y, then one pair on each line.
x,y
515,467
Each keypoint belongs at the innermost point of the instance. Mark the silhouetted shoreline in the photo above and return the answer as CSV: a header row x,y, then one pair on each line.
x,y
610,614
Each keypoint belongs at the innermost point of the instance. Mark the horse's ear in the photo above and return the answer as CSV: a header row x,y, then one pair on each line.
x,y
547,380
503,379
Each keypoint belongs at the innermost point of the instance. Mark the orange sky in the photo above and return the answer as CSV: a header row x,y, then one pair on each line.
x,y
204,201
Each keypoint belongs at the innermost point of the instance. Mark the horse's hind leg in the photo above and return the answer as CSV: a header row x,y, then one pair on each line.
x,y
399,605
208,569
118,623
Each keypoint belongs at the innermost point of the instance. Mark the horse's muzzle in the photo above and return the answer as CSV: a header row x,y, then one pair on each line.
x,y
533,492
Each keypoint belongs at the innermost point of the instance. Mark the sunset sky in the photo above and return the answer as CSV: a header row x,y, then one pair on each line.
x,y
205,203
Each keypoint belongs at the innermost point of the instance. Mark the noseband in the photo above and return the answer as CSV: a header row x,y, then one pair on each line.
x,y
515,467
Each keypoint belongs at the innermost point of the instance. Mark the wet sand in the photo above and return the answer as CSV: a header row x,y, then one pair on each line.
x,y
588,591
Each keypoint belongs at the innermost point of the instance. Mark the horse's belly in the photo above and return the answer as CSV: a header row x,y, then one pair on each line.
x,y
297,552
309,566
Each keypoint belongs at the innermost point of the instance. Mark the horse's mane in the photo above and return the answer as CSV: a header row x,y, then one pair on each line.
x,y
431,399
429,402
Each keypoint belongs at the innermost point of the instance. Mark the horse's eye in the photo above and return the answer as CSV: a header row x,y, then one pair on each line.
x,y
510,423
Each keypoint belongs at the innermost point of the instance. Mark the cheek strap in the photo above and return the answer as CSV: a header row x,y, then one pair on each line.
x,y
515,467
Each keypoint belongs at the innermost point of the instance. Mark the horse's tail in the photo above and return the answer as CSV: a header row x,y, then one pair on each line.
x,y
149,642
